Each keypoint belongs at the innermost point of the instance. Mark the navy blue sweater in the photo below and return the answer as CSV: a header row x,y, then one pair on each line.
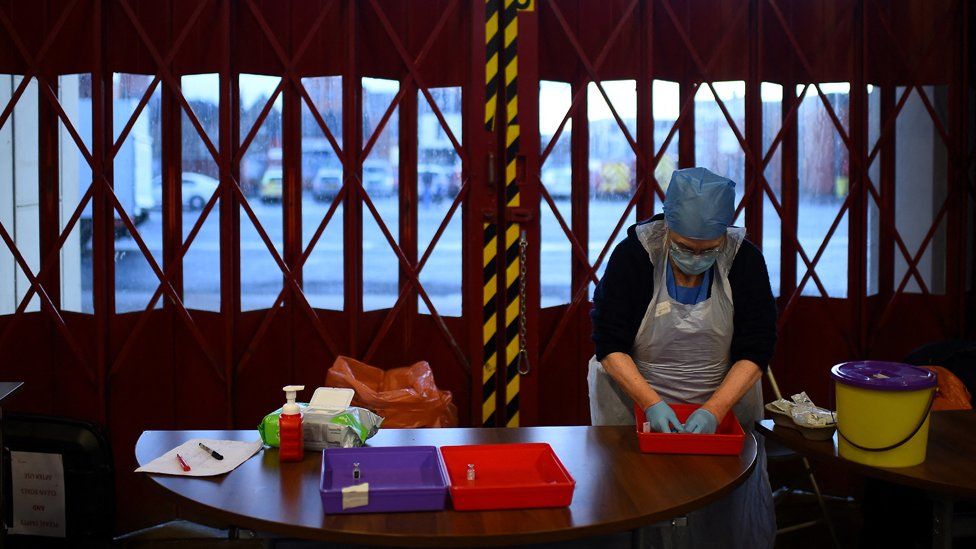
x,y
625,291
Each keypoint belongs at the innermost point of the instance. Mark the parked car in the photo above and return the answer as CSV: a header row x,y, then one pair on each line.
x,y
378,178
614,180
434,181
558,181
197,189
326,183
270,188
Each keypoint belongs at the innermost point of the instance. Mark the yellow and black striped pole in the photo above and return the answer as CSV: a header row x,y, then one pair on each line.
x,y
502,22
512,200
490,328
492,45
489,370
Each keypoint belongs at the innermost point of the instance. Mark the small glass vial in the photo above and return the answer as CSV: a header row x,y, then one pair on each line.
x,y
471,471
355,470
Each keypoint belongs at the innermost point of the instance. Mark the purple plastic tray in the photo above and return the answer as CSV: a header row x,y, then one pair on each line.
x,y
405,478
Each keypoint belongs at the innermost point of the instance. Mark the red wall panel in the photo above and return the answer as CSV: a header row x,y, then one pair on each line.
x,y
327,49
203,49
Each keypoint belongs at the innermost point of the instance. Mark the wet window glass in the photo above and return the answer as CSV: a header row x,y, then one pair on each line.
x,y
612,166
19,205
555,253
439,180
772,117
137,183
75,96
199,181
921,188
262,184
322,178
380,176
823,177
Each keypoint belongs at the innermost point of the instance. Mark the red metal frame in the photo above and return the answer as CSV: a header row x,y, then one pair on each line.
x,y
118,351
229,356
411,270
869,320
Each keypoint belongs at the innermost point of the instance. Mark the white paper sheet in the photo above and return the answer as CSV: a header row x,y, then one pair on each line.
x,y
37,485
201,463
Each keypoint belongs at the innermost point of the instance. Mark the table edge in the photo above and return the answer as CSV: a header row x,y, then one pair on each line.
x,y
880,473
446,540
17,386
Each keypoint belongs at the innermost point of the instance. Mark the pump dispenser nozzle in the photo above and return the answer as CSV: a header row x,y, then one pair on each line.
x,y
290,427
291,392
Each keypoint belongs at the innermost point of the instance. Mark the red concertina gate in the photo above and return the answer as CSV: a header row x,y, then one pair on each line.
x,y
867,260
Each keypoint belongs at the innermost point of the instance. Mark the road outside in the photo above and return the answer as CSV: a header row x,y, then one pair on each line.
x,y
323,274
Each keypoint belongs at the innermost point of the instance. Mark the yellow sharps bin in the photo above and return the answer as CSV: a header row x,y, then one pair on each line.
x,y
883,412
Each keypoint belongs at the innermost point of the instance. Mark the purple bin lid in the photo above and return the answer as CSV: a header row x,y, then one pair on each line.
x,y
883,376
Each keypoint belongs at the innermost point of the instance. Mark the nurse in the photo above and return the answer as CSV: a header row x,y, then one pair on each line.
x,y
684,313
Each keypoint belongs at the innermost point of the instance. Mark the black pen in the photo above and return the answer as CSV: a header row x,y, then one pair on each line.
x,y
211,451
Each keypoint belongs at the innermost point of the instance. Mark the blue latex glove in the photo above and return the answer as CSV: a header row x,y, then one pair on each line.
x,y
701,421
663,419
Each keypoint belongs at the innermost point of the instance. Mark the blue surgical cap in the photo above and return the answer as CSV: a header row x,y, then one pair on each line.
x,y
699,204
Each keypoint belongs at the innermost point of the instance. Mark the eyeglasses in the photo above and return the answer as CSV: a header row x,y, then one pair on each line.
x,y
679,248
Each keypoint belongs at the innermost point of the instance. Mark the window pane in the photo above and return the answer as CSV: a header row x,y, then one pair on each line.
x,y
201,264
555,253
18,192
772,113
262,183
666,100
322,275
716,145
136,169
74,94
874,173
823,177
612,165
921,173
438,182
381,267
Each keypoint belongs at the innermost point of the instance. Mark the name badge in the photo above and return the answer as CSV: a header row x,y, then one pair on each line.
x,y
662,309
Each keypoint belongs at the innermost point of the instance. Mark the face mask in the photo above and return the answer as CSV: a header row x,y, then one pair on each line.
x,y
692,264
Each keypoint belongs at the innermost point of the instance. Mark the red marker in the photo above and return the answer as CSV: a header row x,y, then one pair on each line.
x,y
182,463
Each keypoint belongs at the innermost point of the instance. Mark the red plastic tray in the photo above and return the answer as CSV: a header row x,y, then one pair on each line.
x,y
727,440
507,476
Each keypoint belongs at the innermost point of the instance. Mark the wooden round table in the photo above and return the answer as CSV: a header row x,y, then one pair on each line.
x,y
617,489
946,474
949,459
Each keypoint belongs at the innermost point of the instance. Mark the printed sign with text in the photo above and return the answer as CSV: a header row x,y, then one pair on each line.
x,y
37,486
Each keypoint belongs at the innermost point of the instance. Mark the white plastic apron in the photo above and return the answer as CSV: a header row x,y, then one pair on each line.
x,y
683,352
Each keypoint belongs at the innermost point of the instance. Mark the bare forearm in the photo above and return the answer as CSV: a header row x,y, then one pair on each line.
x,y
741,377
623,370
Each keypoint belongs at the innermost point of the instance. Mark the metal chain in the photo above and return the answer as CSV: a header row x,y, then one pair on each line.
x,y
524,367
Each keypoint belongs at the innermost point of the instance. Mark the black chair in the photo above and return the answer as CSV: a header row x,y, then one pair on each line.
x,y
89,482
957,356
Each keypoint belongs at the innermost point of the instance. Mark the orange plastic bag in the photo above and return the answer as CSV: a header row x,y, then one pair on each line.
x,y
405,397
952,394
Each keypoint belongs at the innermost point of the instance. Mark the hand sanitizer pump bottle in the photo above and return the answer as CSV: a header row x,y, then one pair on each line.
x,y
290,427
